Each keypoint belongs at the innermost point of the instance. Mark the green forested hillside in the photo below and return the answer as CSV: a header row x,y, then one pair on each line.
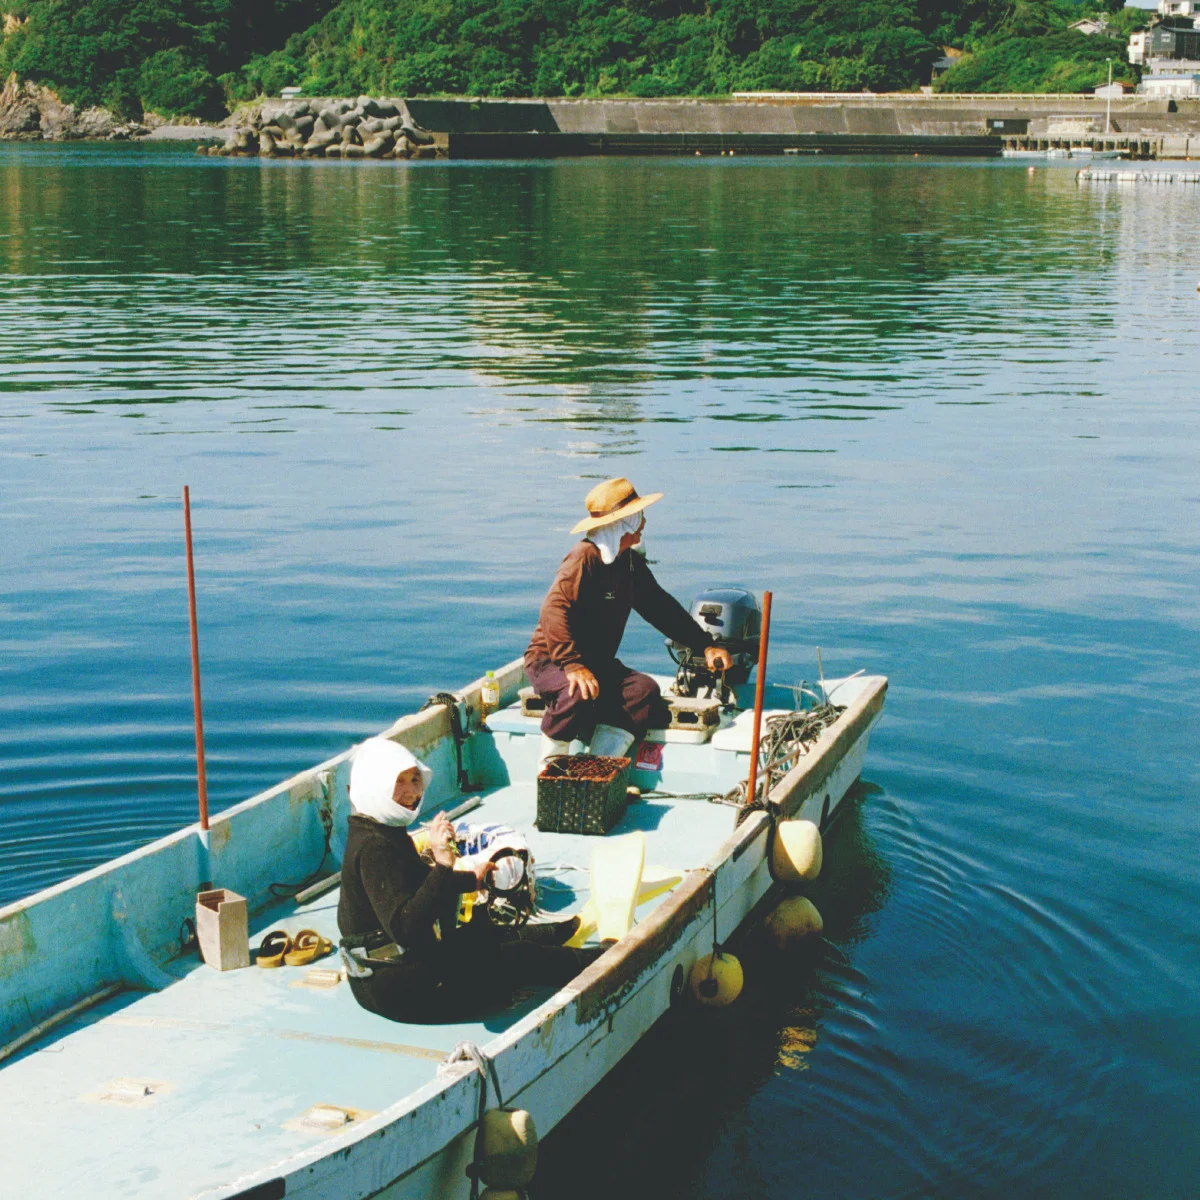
x,y
1032,49
1056,62
639,47
198,56
163,55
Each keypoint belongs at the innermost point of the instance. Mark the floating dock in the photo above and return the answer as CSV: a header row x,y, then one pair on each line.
x,y
1101,175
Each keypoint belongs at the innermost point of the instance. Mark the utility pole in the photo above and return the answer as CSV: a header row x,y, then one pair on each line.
x,y
1108,102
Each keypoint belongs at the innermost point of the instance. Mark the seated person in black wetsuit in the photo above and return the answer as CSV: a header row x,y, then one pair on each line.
x,y
391,895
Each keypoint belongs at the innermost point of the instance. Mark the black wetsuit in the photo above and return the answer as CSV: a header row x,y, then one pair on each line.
x,y
390,893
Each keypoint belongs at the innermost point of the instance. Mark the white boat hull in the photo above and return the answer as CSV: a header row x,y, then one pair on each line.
x,y
550,1061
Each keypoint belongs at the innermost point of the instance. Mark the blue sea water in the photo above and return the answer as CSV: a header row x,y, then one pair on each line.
x,y
946,411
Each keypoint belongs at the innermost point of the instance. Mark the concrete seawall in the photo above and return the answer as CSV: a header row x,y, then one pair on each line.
x,y
776,123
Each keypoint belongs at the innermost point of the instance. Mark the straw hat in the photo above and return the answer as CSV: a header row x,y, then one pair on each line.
x,y
611,501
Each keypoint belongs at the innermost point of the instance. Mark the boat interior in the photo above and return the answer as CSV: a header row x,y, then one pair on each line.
x,y
173,1078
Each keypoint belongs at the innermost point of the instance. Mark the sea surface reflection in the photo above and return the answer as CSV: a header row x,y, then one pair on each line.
x,y
946,411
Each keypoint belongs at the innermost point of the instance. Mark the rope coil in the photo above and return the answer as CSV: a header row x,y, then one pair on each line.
x,y
786,737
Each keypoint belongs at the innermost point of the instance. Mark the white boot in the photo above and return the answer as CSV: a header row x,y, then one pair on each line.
x,y
610,741
550,748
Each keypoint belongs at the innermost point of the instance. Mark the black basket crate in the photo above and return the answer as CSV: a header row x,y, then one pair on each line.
x,y
581,793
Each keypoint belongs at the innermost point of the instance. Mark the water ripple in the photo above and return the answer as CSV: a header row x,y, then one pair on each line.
x,y
944,410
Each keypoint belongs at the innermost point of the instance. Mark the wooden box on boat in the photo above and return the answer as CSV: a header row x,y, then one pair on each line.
x,y
223,929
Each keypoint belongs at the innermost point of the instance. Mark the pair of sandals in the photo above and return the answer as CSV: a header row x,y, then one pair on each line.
x,y
278,949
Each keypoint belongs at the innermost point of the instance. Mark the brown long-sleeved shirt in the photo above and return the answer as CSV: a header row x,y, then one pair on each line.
x,y
584,614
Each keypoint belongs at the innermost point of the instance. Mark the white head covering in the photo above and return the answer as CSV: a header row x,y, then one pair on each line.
x,y
377,763
607,539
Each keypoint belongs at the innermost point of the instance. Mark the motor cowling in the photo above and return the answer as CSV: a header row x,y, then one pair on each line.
x,y
732,618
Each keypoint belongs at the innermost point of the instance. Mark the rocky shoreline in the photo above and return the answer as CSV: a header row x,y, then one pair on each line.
x,y
32,113
333,128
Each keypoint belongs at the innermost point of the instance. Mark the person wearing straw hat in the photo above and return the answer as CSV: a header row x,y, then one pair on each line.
x,y
572,659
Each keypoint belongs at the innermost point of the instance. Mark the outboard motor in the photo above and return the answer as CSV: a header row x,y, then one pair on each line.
x,y
732,618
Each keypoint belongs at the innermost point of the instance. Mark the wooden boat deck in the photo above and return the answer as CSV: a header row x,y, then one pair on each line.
x,y
233,1061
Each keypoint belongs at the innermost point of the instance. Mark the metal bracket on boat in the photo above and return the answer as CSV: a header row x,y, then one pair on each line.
x,y
325,780
458,729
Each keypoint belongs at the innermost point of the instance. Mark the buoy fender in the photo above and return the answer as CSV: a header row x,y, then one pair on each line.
x,y
797,853
716,980
793,922
508,1153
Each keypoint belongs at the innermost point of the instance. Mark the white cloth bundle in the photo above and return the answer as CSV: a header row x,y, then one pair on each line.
x,y
377,763
607,539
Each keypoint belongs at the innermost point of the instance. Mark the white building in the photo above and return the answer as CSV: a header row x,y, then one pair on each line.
x,y
1169,51
1174,33
1180,81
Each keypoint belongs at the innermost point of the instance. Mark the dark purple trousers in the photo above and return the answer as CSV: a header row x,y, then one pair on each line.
x,y
628,700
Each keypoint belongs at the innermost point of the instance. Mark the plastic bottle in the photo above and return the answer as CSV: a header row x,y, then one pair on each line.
x,y
489,697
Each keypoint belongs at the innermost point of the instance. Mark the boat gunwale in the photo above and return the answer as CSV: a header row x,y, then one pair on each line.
x,y
409,725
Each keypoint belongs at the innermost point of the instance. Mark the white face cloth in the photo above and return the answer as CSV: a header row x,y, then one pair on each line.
x,y
377,763
607,539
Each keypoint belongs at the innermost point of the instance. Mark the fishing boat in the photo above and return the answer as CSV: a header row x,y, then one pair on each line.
x,y
1091,154
130,1067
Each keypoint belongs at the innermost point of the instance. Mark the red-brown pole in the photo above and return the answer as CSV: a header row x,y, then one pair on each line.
x,y
201,779
760,685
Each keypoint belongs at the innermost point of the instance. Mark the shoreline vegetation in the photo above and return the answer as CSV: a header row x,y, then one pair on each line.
x,y
121,70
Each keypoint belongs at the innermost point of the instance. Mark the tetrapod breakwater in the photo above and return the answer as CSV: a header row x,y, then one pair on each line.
x,y
362,128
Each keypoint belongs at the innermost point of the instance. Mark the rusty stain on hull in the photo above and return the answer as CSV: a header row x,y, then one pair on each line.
x,y
643,945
